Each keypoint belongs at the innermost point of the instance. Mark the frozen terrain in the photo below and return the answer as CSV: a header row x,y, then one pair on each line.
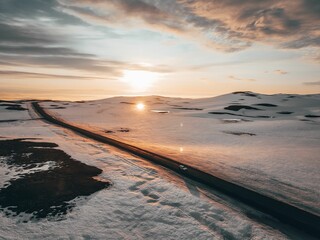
x,y
144,201
269,143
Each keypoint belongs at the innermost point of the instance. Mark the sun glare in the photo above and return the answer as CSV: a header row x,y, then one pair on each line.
x,y
139,81
140,106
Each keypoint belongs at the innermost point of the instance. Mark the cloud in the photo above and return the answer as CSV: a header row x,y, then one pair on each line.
x,y
84,64
105,69
231,77
316,83
19,32
131,14
41,50
305,41
281,72
35,9
312,54
228,25
33,75
34,36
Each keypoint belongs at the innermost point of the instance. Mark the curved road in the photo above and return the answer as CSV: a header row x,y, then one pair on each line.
x,y
286,213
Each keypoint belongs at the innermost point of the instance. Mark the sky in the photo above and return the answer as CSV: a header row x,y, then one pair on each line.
x,y
92,49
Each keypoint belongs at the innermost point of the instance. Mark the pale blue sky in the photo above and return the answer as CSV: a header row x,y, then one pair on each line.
x,y
84,49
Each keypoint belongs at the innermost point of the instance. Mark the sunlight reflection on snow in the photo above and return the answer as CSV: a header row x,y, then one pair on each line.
x,y
140,106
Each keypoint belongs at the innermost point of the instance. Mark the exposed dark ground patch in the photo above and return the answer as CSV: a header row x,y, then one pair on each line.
x,y
248,94
175,105
239,133
239,115
186,108
266,105
9,105
238,107
45,193
12,102
284,112
312,116
13,106
16,107
108,131
130,103
160,111
55,106
123,130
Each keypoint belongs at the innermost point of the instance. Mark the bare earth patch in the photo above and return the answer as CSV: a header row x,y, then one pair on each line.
x,y
238,107
284,112
239,115
312,116
239,133
44,193
266,105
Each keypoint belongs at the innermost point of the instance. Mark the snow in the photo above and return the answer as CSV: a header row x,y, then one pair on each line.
x,y
13,115
144,202
277,155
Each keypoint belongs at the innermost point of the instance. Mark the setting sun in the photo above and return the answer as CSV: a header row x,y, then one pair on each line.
x,y
140,106
139,81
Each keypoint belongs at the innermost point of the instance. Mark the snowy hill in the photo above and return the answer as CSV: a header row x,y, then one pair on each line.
x,y
269,143
143,202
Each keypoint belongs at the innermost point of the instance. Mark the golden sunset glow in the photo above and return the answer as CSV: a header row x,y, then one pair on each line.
x,y
139,81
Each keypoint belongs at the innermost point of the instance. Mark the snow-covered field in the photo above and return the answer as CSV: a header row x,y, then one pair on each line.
x,y
271,143
144,202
